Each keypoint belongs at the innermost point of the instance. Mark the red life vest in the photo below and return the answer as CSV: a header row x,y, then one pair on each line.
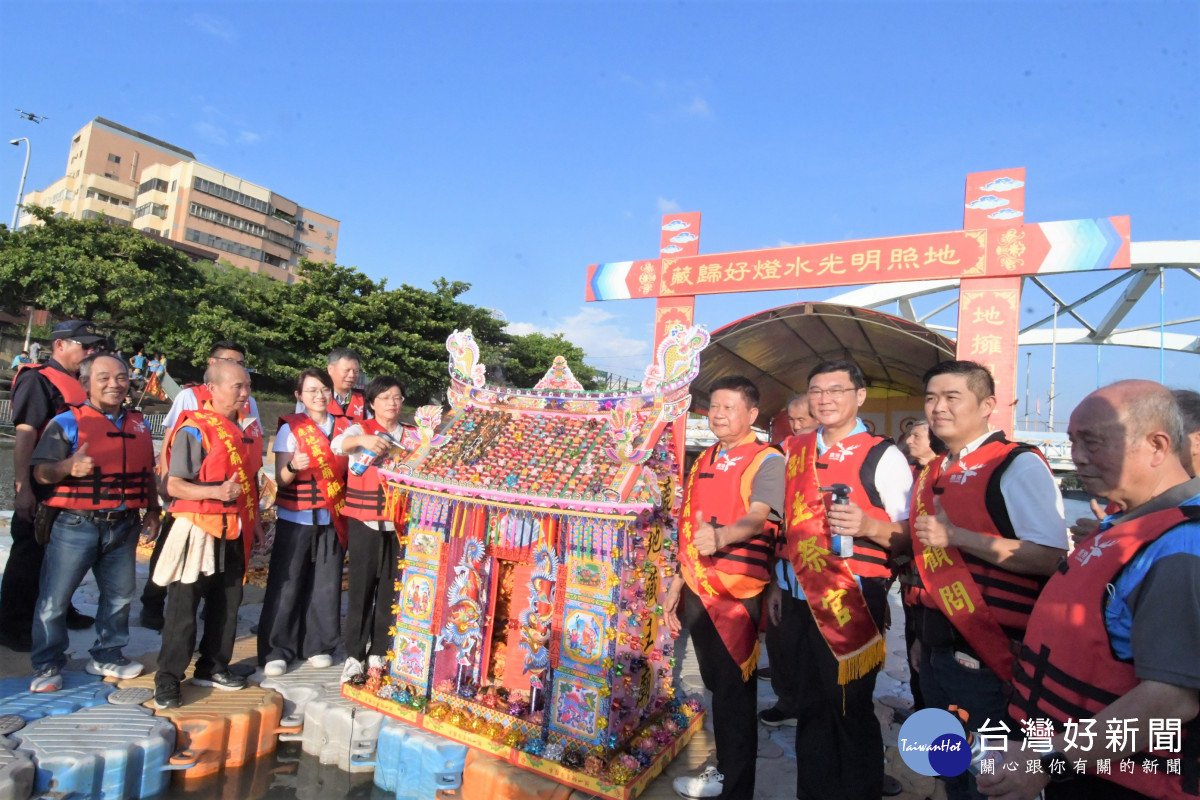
x,y
365,496
969,492
852,461
229,451
68,386
323,483
718,490
124,464
355,411
1067,670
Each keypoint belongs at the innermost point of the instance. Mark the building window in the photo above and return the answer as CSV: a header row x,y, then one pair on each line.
x,y
225,193
153,185
152,209
216,242
114,159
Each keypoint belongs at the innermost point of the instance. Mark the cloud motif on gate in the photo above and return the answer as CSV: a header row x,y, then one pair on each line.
x,y
676,225
1005,184
1005,213
988,201
671,248
684,238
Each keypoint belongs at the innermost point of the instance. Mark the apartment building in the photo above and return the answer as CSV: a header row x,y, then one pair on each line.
x,y
130,178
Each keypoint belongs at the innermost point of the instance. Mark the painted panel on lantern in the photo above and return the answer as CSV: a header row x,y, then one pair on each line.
x,y
583,638
416,602
412,656
577,706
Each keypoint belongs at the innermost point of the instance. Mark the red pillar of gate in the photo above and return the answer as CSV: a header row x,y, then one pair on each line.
x,y
989,309
680,237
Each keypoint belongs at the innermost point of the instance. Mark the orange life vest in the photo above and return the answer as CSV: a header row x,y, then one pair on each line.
x,y
1067,670
853,461
124,464
68,385
355,410
365,496
323,483
229,451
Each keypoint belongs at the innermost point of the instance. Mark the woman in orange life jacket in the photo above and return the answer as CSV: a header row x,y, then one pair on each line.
x,y
302,609
373,547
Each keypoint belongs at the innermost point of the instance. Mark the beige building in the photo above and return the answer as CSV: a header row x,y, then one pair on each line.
x,y
130,178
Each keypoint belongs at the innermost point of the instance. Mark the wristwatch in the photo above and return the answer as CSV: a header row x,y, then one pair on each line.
x,y
1057,777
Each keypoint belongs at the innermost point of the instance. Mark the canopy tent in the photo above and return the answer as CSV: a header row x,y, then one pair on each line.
x,y
777,348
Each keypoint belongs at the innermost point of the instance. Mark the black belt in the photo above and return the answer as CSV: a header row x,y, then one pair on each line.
x,y
103,516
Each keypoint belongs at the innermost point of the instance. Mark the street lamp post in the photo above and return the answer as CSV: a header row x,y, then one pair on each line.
x,y
24,172
17,212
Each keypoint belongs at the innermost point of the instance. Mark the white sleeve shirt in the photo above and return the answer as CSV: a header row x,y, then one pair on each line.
x,y
894,481
186,401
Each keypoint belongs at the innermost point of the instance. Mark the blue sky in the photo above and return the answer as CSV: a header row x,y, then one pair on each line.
x,y
512,144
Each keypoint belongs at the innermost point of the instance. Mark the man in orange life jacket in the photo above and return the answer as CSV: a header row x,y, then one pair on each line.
x,y
39,392
214,454
831,601
734,488
154,597
99,462
987,529
344,367
1115,634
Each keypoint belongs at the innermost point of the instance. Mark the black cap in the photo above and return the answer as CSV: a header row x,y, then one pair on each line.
x,y
79,330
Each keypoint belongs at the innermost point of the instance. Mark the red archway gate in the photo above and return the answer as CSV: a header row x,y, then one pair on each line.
x,y
991,253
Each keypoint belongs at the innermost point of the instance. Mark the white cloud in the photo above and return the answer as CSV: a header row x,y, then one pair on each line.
x,y
248,137
213,134
666,206
698,108
606,344
213,27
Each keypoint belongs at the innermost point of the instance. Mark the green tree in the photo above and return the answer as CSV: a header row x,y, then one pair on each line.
x,y
528,357
127,283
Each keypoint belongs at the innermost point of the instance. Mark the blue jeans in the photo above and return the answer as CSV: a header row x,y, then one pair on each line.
x,y
76,545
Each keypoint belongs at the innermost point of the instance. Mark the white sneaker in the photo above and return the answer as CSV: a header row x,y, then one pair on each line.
x,y
274,669
706,784
376,661
120,667
320,661
46,679
351,668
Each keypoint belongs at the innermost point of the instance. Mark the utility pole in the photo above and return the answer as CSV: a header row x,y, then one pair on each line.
x,y
1028,355
1053,366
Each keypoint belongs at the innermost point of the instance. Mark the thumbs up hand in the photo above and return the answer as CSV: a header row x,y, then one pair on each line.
x,y
934,530
706,538
228,491
81,463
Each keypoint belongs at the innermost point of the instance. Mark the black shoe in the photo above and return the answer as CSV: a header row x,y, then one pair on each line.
x,y
891,786
166,694
774,718
77,620
152,621
763,673
21,643
224,679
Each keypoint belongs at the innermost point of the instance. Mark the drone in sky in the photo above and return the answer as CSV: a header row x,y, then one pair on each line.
x,y
32,117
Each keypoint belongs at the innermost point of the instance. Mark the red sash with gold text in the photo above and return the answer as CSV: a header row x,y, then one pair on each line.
x,y
953,589
835,598
330,487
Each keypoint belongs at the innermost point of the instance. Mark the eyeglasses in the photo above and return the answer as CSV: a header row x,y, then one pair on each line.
x,y
92,347
833,393
317,392
241,362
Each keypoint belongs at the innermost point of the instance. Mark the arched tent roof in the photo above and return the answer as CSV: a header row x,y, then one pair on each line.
x,y
777,348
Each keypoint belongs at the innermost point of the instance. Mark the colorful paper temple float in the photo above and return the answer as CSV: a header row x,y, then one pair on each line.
x,y
538,540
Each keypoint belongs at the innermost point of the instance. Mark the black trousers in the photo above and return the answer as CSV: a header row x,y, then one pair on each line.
x,y
374,557
154,597
19,588
222,595
302,610
734,700
784,648
839,744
